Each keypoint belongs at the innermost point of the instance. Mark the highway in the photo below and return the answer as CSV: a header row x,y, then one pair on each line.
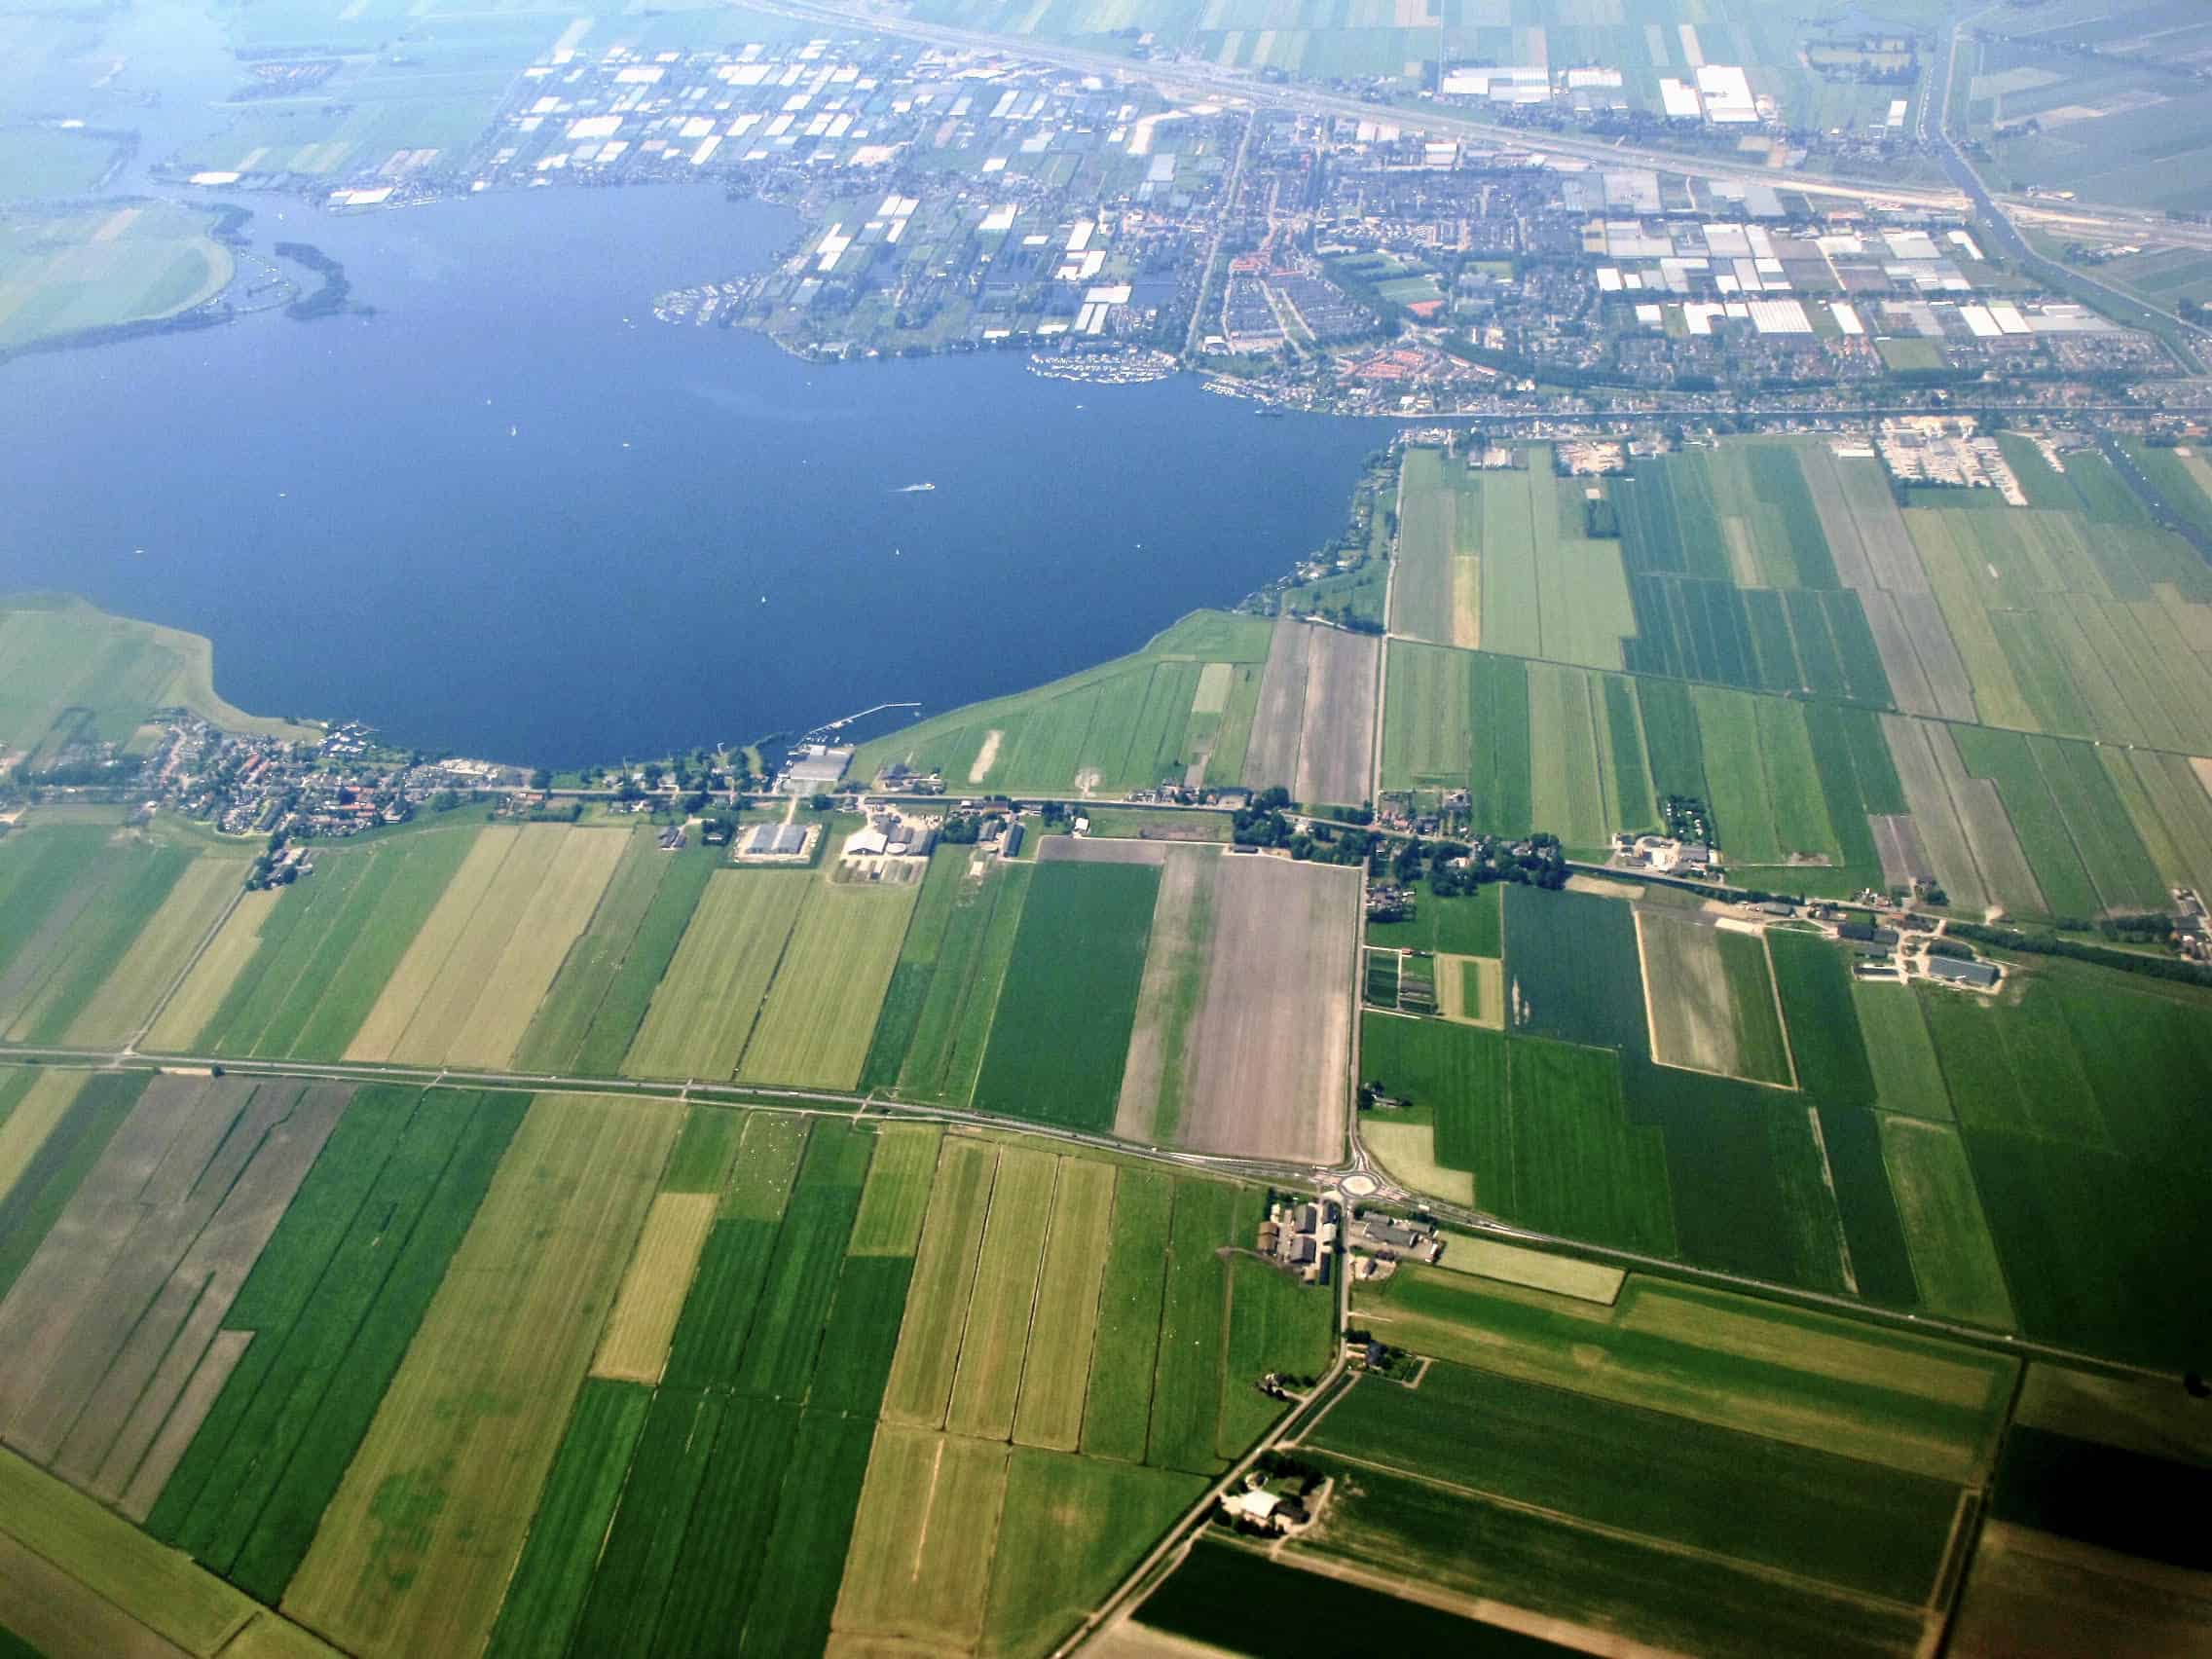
x,y
1996,222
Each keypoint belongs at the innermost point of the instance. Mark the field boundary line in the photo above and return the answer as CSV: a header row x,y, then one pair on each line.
x,y
968,1307
1036,1291
176,984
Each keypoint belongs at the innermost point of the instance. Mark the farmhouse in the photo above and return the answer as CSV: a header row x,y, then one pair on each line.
x,y
891,834
1300,1237
1394,1238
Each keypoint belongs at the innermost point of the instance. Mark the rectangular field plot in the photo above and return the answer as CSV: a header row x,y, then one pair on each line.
x,y
592,1011
820,1009
950,989
1243,1019
1436,588
328,1313
1062,1033
1394,1529
1313,731
1812,1514
295,976
469,985
1713,999
1953,1260
75,1577
704,1010
1814,1380
86,905
2073,1105
494,1369
112,1328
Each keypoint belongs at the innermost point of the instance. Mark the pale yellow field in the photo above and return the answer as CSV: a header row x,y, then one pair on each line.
x,y
548,925
442,1024
1409,1152
1562,1276
820,1016
414,1552
929,1517
896,1196
635,1346
211,977
1470,990
706,1004
988,1379
158,953
432,944
1058,1370
25,1129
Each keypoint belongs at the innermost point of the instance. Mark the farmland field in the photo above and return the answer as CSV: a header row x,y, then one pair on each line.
x,y
331,1308
1127,724
593,1008
318,957
1313,728
112,1327
821,1011
1713,999
65,272
704,1009
467,988
2072,1104
1811,1380
1081,947
416,1545
1811,1513
1242,1025
951,986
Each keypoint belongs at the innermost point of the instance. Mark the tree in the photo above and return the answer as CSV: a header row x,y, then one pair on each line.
x,y
541,779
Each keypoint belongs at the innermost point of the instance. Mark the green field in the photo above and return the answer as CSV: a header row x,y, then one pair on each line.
x,y
1805,1512
704,1010
1063,1021
308,966
821,1011
333,1305
598,997
73,271
1816,1381
416,1546
1127,724
2073,1106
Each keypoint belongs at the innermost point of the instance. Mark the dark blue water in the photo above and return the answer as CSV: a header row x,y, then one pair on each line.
x,y
689,537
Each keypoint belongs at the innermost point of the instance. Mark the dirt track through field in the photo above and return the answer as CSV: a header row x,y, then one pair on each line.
x,y
1270,1042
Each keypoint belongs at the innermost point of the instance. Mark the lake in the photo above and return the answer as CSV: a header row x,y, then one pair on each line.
x,y
511,514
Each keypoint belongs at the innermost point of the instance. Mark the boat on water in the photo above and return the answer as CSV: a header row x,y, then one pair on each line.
x,y
913,489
